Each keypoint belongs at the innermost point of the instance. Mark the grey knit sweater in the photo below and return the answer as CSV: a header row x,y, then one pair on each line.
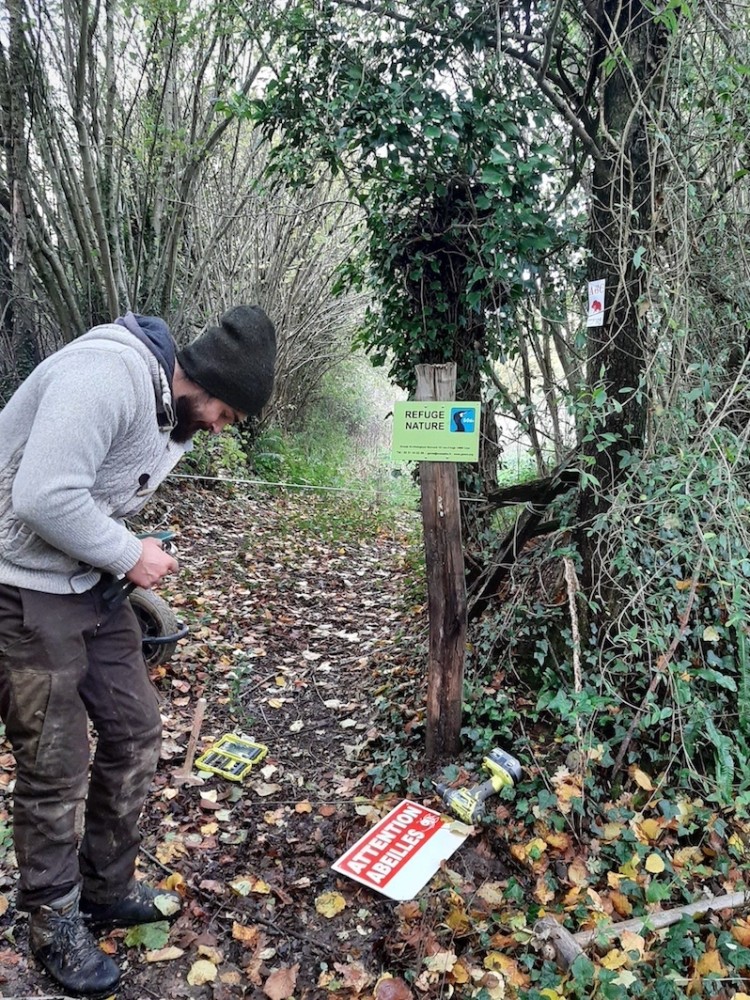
x,y
80,450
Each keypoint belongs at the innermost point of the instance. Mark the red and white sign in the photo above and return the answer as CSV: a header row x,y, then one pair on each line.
x,y
402,852
595,315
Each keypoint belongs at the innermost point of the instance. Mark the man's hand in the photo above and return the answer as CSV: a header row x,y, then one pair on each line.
x,y
153,565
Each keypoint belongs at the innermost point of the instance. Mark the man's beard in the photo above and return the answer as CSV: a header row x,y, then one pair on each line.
x,y
186,422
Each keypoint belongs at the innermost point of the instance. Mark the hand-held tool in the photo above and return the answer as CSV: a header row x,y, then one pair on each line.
x,y
468,803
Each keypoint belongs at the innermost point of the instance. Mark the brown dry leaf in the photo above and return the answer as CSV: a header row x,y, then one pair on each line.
x,y
3,904
710,961
687,855
578,873
740,931
542,892
388,988
169,850
303,807
621,903
168,954
495,961
281,984
567,787
248,936
354,976
558,839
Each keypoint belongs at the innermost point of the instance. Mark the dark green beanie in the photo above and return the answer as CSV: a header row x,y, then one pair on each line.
x,y
234,362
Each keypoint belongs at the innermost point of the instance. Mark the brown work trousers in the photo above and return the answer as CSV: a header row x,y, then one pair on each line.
x,y
65,660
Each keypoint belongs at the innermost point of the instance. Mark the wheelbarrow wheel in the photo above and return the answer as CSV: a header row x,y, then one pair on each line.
x,y
157,620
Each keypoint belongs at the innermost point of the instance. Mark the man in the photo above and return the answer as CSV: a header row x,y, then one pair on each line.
x,y
83,442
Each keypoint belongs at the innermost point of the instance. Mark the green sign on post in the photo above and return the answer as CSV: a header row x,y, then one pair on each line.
x,y
436,432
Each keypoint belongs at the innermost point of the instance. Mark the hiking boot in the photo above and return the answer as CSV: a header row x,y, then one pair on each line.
x,y
140,905
63,944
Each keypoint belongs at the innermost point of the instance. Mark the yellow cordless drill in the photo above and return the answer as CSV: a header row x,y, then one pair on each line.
x,y
468,803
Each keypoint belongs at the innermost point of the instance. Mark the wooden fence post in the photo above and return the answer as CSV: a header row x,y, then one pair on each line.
x,y
446,583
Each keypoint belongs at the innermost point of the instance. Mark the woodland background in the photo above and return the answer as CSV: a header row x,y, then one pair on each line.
x,y
430,182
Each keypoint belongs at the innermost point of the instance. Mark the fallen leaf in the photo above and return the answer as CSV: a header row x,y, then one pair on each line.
x,y
263,788
442,961
740,931
164,954
641,778
655,864
281,984
388,988
246,935
710,634
614,959
329,904
631,941
3,904
303,807
167,905
201,972
710,961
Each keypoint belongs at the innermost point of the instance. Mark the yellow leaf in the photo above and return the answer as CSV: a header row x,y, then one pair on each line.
x,y
651,829
654,864
641,778
740,931
303,807
710,634
710,961
276,702
495,961
630,868
550,994
614,959
612,831
557,839
460,972
741,996
201,972
3,904
458,921
329,904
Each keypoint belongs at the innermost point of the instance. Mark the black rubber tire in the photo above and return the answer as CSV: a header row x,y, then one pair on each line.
x,y
156,619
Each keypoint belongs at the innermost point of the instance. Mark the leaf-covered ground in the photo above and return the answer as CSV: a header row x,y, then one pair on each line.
x,y
307,634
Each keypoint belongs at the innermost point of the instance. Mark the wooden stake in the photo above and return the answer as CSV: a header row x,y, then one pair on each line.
x,y
446,584
183,775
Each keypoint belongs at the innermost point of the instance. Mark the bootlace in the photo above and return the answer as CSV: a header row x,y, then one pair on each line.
x,y
72,939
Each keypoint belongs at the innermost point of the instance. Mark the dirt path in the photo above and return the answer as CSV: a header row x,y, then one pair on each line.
x,y
296,637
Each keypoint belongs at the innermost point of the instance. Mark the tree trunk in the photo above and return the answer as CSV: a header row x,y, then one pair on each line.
x,y
619,241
